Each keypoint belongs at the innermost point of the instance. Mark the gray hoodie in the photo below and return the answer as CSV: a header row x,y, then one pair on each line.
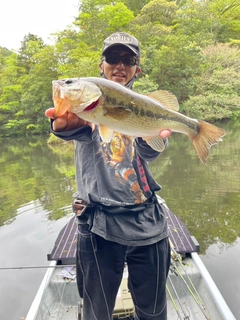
x,y
115,178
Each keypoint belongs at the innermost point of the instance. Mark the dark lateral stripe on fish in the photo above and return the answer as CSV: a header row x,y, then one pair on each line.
x,y
114,101
148,113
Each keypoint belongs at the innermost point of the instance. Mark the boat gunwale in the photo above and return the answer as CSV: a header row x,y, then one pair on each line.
x,y
213,289
33,311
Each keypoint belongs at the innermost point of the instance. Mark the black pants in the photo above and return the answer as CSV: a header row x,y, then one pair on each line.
x,y
100,265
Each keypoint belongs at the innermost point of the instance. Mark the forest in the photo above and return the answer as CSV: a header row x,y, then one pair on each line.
x,y
189,47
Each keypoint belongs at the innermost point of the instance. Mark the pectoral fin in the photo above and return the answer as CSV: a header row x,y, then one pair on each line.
x,y
155,143
105,133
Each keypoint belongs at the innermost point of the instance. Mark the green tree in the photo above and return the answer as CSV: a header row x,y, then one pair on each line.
x,y
26,92
75,57
227,12
176,65
217,94
10,94
135,5
30,45
154,22
209,21
37,95
182,51
97,19
144,85
116,18
194,20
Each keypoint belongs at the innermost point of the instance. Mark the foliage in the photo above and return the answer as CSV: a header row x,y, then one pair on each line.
x,y
135,5
144,85
218,91
176,65
98,19
189,47
210,106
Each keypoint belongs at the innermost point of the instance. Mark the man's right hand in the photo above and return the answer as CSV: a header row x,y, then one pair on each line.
x,y
67,121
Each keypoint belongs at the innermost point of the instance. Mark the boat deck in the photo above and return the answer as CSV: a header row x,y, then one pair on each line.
x,y
61,300
64,250
189,295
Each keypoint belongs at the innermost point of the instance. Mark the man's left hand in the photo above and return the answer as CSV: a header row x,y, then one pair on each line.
x,y
165,133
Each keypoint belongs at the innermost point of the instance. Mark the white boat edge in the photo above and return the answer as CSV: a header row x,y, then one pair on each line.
x,y
214,291
32,313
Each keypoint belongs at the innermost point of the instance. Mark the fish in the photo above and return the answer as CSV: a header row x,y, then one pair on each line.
x,y
114,107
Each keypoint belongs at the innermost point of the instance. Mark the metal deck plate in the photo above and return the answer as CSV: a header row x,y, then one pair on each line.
x,y
64,250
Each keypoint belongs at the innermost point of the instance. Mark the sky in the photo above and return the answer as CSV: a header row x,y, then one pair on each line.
x,y
41,18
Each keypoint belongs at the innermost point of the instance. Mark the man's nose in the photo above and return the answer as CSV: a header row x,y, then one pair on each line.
x,y
121,64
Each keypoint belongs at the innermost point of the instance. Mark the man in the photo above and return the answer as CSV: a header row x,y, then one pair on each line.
x,y
122,221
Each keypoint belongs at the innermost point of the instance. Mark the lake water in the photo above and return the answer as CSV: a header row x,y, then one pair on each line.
x,y
36,186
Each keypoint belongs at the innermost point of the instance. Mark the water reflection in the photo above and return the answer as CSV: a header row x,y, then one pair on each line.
x,y
206,197
25,242
36,186
31,170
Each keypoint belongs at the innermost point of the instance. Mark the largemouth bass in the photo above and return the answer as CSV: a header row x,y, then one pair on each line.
x,y
116,108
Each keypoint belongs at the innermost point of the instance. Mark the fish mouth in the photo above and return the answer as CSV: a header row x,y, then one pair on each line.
x,y
92,106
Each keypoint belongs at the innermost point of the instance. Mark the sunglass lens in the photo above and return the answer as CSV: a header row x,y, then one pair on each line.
x,y
127,59
112,58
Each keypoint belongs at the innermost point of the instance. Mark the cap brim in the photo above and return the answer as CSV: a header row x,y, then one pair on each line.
x,y
134,50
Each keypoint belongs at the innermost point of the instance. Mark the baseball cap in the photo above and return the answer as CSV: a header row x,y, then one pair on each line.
x,y
124,39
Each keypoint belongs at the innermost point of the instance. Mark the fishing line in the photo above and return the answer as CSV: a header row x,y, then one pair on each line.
x,y
37,267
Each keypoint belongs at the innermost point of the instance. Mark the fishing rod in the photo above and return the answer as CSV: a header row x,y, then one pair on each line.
x,y
193,291
185,315
37,267
195,295
173,302
178,302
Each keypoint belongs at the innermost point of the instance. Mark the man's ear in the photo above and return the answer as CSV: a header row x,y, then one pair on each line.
x,y
138,70
101,68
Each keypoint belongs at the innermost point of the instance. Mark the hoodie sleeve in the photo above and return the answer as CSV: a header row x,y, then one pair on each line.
x,y
145,151
83,134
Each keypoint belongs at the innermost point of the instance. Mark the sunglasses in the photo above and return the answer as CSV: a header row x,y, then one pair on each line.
x,y
115,58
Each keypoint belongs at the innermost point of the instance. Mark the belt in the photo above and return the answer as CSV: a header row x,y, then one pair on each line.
x,y
79,206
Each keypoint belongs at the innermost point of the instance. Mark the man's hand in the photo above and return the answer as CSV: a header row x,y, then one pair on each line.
x,y
164,134
67,121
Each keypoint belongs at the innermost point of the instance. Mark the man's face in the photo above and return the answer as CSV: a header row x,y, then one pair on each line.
x,y
119,72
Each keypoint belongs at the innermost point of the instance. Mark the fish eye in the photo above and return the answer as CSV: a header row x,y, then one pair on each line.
x,y
68,81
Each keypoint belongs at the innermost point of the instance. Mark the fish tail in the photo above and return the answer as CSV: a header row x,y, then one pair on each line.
x,y
207,136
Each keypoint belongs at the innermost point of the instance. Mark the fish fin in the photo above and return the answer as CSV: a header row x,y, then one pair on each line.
x,y
166,98
61,106
105,133
207,136
156,143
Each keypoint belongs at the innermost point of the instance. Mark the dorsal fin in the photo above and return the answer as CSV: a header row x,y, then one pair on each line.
x,y
166,98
